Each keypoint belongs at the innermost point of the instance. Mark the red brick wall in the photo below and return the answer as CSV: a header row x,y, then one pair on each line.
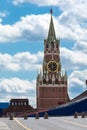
x,y
52,96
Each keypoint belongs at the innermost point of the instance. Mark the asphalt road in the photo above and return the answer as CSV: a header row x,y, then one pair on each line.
x,y
52,123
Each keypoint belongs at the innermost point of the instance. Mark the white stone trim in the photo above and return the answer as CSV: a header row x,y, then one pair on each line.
x,y
52,98
51,85
47,53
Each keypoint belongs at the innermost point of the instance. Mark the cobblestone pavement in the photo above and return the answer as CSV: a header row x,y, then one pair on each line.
x,y
3,126
56,123
6,124
52,123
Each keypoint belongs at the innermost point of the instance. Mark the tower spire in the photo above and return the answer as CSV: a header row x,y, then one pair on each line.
x,y
51,33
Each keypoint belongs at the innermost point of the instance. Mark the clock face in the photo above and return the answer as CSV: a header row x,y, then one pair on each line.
x,y
52,66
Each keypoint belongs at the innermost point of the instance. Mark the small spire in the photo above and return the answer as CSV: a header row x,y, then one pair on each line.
x,y
59,78
65,75
40,73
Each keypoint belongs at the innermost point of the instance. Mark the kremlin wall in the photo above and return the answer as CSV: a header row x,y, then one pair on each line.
x,y
78,104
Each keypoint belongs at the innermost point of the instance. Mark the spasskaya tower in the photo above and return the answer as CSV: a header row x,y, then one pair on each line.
x,y
51,89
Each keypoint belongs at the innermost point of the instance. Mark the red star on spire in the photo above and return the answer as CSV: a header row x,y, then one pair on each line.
x,y
51,11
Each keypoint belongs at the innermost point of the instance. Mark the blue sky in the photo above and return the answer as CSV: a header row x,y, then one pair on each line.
x,y
23,27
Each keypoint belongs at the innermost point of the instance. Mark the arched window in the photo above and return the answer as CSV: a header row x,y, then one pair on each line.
x,y
47,46
57,46
50,81
44,81
56,81
62,81
52,45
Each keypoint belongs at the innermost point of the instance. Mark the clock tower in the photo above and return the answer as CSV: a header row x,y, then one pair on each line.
x,y
51,89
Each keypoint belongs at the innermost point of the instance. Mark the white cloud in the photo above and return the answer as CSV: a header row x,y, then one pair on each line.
x,y
17,88
0,20
38,2
21,61
78,7
31,27
81,46
3,14
74,18
6,62
75,59
72,21
35,27
77,83
16,85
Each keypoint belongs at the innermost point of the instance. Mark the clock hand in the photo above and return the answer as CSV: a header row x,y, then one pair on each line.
x,y
52,65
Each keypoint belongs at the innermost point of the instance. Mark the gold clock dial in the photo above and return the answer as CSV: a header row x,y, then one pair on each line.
x,y
52,66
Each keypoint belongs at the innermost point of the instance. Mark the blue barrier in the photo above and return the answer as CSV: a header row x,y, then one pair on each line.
x,y
3,105
67,109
